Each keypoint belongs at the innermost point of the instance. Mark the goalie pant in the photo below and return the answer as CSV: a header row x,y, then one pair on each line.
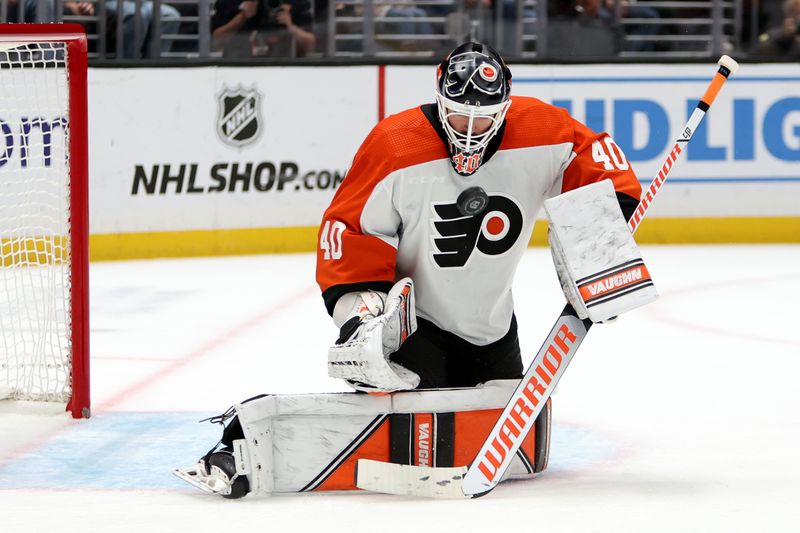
x,y
303,443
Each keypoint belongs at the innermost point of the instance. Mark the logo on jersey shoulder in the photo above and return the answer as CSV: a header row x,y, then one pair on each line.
x,y
492,232
239,115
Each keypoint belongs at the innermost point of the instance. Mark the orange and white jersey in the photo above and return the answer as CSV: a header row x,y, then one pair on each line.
x,y
395,214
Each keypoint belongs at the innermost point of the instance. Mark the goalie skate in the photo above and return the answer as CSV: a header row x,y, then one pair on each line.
x,y
217,476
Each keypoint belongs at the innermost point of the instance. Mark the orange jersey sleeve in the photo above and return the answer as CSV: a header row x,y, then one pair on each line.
x,y
348,254
531,122
598,157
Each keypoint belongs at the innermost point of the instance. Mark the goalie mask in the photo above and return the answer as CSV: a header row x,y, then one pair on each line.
x,y
472,97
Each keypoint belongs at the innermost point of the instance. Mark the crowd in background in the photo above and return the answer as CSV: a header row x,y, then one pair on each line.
x,y
571,29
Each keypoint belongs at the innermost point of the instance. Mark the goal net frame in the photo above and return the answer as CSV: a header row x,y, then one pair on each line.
x,y
74,38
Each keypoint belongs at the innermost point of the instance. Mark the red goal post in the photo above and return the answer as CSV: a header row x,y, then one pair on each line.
x,y
44,229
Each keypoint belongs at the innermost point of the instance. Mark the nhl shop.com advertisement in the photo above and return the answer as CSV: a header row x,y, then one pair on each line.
x,y
227,148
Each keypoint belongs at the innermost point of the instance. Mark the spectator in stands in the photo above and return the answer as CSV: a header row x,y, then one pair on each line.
x,y
30,11
406,24
398,34
783,41
170,22
33,12
263,28
633,9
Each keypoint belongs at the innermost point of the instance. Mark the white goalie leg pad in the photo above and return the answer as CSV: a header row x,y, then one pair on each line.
x,y
312,442
598,263
362,359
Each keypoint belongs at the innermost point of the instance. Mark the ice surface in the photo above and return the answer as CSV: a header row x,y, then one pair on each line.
x,y
681,416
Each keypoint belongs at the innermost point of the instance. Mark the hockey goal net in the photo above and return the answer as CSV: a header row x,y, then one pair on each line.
x,y
44,326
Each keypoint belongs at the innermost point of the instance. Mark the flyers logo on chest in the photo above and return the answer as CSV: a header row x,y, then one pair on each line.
x,y
492,233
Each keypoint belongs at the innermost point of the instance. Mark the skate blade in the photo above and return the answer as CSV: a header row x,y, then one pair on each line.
x,y
196,477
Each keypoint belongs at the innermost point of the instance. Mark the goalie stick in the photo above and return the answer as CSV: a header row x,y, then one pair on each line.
x,y
539,380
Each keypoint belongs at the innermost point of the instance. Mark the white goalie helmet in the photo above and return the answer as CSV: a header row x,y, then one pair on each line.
x,y
472,97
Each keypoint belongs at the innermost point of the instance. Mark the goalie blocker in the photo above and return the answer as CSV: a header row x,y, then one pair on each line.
x,y
598,263
312,442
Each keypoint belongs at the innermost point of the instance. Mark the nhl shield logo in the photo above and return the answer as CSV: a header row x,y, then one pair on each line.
x,y
239,116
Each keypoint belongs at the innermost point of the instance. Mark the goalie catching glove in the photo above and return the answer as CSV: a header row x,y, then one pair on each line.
x,y
376,327
598,263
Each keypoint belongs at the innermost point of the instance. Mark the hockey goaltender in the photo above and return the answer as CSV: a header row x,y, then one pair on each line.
x,y
416,258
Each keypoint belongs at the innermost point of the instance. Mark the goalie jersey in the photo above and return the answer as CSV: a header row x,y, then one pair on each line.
x,y
395,213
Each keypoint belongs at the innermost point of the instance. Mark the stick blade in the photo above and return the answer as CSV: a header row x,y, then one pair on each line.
x,y
408,480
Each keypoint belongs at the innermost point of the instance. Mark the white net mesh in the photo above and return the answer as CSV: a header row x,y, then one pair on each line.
x,y
35,359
